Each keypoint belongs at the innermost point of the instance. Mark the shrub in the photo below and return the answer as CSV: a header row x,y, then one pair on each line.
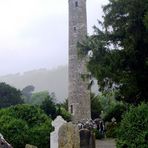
x,y
9,96
117,111
98,135
111,130
133,130
64,113
24,124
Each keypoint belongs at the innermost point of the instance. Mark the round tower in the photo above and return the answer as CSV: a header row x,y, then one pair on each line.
x,y
79,94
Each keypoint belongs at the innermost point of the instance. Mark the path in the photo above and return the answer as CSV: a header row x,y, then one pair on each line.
x,y
107,143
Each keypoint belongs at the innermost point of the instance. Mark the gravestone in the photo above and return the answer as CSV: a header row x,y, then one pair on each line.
x,y
69,136
57,123
87,138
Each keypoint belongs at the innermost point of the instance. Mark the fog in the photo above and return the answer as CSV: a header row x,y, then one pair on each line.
x,y
34,33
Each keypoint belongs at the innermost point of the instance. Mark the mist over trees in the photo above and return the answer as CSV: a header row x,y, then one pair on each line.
x,y
55,80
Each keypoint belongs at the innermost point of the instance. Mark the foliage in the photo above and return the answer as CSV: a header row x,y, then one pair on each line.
x,y
65,104
38,97
111,130
98,135
53,110
49,107
27,93
63,112
120,55
107,102
115,112
9,96
133,131
95,106
24,124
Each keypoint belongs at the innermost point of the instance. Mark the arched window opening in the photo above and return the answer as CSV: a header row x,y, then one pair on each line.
x,y
75,29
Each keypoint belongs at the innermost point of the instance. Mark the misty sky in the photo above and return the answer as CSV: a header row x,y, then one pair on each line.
x,y
34,33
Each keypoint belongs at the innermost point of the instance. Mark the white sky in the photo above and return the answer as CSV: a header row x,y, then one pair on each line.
x,y
34,33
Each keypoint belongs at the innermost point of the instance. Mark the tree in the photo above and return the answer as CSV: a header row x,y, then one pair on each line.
x,y
9,95
96,107
53,109
38,97
49,107
120,54
22,124
27,93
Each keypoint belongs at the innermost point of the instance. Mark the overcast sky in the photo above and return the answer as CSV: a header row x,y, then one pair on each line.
x,y
34,33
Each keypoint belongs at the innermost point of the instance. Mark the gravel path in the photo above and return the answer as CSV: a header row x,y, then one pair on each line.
x,y
107,143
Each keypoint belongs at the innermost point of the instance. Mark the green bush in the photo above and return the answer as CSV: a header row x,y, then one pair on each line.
x,y
64,113
98,135
133,130
24,124
117,111
111,130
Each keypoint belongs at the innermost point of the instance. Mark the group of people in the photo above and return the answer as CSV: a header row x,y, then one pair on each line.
x,y
92,124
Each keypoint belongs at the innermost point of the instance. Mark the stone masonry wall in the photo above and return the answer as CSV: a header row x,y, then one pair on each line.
x,y
79,95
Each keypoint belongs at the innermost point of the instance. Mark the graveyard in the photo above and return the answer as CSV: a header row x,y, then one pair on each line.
x,y
115,117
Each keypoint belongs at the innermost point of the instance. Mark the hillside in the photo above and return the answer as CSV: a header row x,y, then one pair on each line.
x,y
55,80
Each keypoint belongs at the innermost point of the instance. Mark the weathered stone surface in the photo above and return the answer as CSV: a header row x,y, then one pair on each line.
x,y
79,95
87,139
57,123
69,136
30,146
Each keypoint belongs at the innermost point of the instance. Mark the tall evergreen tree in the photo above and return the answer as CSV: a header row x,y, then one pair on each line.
x,y
120,50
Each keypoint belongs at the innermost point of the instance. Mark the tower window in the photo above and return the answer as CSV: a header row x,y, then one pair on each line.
x,y
75,29
71,109
76,4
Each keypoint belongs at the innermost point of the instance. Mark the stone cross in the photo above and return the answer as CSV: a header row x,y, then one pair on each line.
x,y
57,123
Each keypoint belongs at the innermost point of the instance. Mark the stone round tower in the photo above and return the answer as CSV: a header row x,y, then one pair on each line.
x,y
79,94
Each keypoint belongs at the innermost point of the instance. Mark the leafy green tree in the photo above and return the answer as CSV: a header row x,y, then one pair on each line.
x,y
9,96
63,112
116,112
120,54
25,124
27,93
65,104
49,107
38,97
96,107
